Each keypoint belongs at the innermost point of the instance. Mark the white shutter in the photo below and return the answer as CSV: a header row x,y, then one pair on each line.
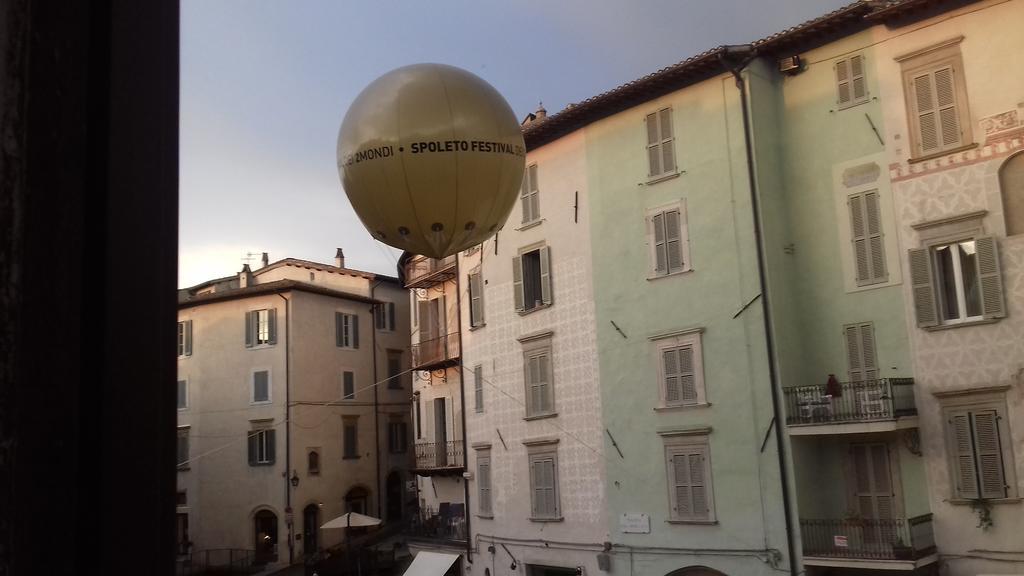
x,y
859,87
927,117
524,196
844,95
653,146
478,388
989,453
544,371
673,245
272,325
414,305
476,308
484,484
670,365
682,497
869,362
945,100
668,154
858,235
698,486
963,455
660,257
923,287
188,338
517,283
545,274
534,193
876,245
687,376
990,277
853,354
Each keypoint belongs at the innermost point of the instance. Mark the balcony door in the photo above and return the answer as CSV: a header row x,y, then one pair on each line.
x,y
432,328
440,433
873,491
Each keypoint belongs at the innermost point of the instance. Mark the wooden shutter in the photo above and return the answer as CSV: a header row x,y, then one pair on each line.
x,y
339,329
945,99
534,193
391,316
414,309
858,235
517,283
272,326
869,361
843,90
698,485
876,245
253,436
853,354
927,117
533,401
249,326
682,499
545,274
990,276
962,448
188,338
182,448
350,440
660,257
687,376
478,388
989,454
858,86
354,327
543,473
524,196
668,154
690,496
673,246
653,146
348,385
476,308
271,445
544,369
923,287
670,365
484,484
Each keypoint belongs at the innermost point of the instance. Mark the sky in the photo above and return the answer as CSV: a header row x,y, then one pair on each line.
x,y
266,83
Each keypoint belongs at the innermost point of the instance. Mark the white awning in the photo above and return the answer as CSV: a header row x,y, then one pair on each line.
x,y
431,564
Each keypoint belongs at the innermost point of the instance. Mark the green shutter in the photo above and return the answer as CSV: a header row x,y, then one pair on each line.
x,y
990,277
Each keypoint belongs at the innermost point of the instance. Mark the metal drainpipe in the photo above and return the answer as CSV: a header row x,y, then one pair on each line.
x,y
376,408
462,399
288,427
747,54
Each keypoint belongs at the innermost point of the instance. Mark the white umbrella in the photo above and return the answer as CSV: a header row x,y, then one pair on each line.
x,y
351,520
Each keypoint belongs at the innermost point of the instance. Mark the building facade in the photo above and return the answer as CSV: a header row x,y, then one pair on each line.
x,y
293,399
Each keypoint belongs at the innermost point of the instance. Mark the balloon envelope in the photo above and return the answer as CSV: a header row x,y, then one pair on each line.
x,y
431,158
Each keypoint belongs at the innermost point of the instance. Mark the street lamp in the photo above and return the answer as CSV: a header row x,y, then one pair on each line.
x,y
295,479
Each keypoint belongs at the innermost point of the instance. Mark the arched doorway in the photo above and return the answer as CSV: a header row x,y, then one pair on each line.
x,y
394,495
311,529
265,536
695,571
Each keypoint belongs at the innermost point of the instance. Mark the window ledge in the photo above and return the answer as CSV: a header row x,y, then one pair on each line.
x,y
540,416
663,177
695,522
670,274
260,346
962,324
935,155
350,457
964,502
528,225
477,327
534,309
555,519
487,516
681,407
848,105
261,403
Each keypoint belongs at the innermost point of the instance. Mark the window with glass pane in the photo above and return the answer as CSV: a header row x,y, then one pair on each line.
x,y
262,326
959,290
261,386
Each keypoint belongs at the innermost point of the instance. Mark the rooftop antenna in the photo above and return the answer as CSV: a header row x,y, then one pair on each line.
x,y
250,256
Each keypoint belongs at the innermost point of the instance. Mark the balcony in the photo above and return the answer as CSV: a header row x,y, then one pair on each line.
x,y
854,407
895,544
436,353
446,524
439,458
423,272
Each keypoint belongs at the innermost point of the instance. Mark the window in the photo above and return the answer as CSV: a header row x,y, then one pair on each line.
x,y
851,87
667,239
689,479
398,437
182,498
261,328
544,504
348,385
384,316
346,329
531,279
260,387
661,155
182,394
313,463
866,236
185,338
261,444
681,369
957,282
476,300
860,351
349,438
181,534
1011,184
478,388
537,375
936,99
395,375
978,447
419,417
483,482
183,456
529,195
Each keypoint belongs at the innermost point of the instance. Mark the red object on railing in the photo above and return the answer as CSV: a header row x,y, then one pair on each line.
x,y
833,388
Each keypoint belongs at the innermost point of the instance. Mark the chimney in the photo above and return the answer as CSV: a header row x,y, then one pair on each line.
x,y
245,276
339,258
266,260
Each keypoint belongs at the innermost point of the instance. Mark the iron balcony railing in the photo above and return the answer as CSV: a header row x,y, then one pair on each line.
x,y
893,539
436,352
217,561
422,272
864,401
448,522
439,455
